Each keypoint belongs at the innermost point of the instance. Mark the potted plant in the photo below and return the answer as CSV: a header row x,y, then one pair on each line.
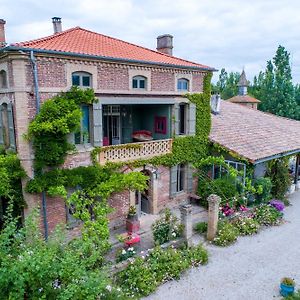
x,y
132,221
287,286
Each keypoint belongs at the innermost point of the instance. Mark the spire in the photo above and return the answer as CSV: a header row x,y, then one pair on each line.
x,y
243,84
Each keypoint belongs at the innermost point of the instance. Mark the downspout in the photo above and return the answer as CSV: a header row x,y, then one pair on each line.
x,y
37,104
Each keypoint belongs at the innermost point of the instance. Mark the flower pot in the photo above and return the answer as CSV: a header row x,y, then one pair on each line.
x,y
286,290
132,225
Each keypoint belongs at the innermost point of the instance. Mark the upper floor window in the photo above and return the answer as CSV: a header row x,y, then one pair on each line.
x,y
82,79
139,82
3,79
182,118
7,133
182,84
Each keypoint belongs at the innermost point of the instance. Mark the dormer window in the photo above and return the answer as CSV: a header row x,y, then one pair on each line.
x,y
139,82
82,79
3,79
182,84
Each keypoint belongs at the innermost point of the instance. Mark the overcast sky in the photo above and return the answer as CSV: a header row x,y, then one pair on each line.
x,y
231,34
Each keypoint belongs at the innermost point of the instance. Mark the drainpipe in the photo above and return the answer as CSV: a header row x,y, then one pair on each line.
x,y
37,105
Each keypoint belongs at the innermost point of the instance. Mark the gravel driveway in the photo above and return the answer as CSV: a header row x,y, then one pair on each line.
x,y
249,269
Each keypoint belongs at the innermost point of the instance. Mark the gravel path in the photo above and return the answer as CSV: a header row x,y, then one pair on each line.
x,y
250,269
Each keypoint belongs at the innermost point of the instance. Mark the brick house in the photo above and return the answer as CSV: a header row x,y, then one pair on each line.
x,y
141,100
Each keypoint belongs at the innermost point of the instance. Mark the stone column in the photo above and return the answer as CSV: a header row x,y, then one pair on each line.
x,y
154,196
213,216
186,220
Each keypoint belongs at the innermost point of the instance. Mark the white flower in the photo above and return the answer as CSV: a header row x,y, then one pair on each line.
x,y
109,288
123,251
143,257
174,234
40,290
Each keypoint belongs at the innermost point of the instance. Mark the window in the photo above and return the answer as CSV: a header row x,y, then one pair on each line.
x,y
82,79
7,132
3,79
160,125
139,82
182,118
83,136
180,177
182,84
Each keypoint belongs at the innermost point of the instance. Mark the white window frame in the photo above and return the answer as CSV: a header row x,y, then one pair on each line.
x,y
139,79
81,75
180,82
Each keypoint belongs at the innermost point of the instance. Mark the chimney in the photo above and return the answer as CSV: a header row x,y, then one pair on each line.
x,y
165,44
215,102
57,24
2,33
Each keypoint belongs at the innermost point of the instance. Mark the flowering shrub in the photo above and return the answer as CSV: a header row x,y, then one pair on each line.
x,y
279,205
143,276
167,228
226,210
246,225
267,215
124,254
227,234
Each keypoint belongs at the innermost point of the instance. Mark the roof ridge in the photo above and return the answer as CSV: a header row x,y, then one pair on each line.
x,y
46,38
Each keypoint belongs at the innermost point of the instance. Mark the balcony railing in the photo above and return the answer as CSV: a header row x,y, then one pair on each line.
x,y
133,151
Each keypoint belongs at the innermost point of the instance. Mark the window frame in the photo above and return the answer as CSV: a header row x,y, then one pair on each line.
x,y
139,79
81,75
3,79
80,133
160,124
181,175
182,119
180,83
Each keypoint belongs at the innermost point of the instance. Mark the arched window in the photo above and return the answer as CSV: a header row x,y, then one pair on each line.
x,y
82,79
3,79
182,84
139,82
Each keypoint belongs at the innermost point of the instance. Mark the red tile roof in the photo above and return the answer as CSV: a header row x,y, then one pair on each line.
x,y
243,99
81,41
253,134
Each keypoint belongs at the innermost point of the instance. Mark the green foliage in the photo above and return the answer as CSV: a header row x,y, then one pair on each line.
x,y
124,254
278,171
57,118
31,268
263,186
295,296
246,225
227,234
201,227
267,215
166,228
144,275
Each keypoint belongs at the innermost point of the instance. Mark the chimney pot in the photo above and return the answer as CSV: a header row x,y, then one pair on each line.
x,y
165,44
2,33
215,102
57,27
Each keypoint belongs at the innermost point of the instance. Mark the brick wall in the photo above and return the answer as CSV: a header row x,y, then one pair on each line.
x,y
197,83
162,81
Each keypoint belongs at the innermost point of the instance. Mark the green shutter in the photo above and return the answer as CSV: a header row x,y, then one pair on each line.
x,y
176,119
97,120
192,119
11,129
173,180
189,173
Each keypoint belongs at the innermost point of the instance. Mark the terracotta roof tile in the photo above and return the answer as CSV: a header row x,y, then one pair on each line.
x,y
243,99
81,41
253,134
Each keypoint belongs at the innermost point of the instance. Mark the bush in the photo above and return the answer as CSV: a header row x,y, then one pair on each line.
x,y
296,296
224,187
263,186
267,215
227,234
167,228
201,227
246,225
143,276
124,254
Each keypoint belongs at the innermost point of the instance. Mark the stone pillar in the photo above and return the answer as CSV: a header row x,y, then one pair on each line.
x,y
186,220
154,196
213,216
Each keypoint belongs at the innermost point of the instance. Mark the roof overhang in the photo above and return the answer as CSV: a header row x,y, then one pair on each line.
x,y
136,100
107,58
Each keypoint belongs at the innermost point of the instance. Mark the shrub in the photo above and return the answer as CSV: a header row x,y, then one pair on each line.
x,y
263,186
267,215
279,205
296,296
201,227
124,254
227,234
224,187
246,225
166,228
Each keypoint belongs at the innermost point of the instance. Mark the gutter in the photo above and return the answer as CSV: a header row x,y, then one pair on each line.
x,y
37,103
108,58
276,156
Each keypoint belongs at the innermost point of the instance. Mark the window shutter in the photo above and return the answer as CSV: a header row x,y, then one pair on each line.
x,y
97,120
10,115
173,180
1,126
192,119
189,178
176,118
